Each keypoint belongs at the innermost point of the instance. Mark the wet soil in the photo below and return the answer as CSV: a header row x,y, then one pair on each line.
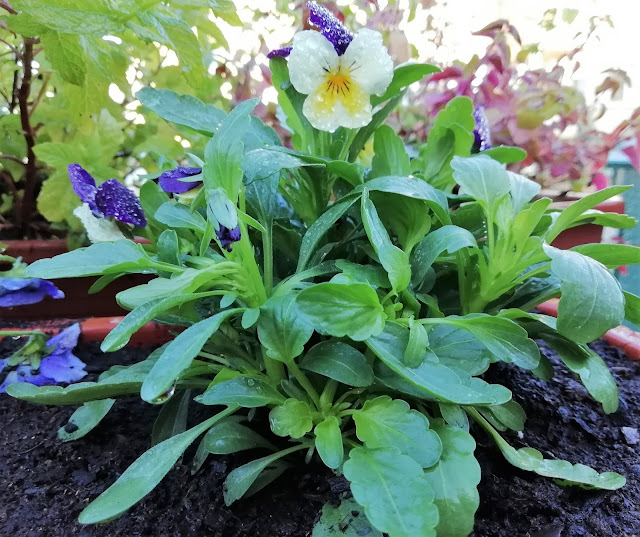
x,y
44,484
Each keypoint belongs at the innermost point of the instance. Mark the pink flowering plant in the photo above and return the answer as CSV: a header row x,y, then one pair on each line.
x,y
344,306
536,110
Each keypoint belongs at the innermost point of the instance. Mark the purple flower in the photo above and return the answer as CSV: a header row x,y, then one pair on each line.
x,y
111,198
228,236
482,132
282,52
60,366
170,181
23,291
330,27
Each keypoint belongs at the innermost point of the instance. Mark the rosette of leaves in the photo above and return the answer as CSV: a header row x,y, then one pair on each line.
x,y
354,315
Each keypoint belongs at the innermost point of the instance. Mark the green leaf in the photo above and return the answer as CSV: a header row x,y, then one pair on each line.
x,y
229,437
482,178
393,490
172,419
610,255
592,301
454,415
281,330
523,190
97,259
143,475
169,247
329,442
66,56
506,154
240,480
386,423
505,339
591,369
458,348
342,310
632,307
177,215
417,350
179,354
245,391
120,335
85,419
394,260
262,163
250,317
454,481
404,76
292,418
347,520
326,221
566,473
435,381
575,210
446,239
339,361
182,110
390,156
509,415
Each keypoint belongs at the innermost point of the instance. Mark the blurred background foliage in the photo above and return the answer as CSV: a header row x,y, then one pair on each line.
x,y
88,60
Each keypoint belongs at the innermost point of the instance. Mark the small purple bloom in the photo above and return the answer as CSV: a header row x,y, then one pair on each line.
x,y
482,132
24,291
330,27
111,198
282,52
228,236
170,181
61,366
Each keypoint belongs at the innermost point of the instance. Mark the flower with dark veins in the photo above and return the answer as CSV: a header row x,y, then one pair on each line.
x,y
228,236
111,198
170,181
24,291
330,27
59,366
482,132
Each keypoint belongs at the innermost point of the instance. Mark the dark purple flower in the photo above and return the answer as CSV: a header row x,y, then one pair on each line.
x,y
282,52
170,181
330,27
23,291
482,132
111,198
60,366
228,236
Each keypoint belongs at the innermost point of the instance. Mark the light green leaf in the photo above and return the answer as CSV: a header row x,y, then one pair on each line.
x,y
229,437
66,56
592,301
292,418
390,156
482,178
329,442
454,481
610,255
404,76
85,419
172,419
632,307
245,391
386,423
342,310
523,190
339,361
393,490
347,520
177,215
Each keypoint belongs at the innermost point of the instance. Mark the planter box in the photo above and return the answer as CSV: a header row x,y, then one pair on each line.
x,y
586,233
78,303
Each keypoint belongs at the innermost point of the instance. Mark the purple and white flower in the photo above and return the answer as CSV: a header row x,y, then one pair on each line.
x,y
482,132
171,180
24,291
228,236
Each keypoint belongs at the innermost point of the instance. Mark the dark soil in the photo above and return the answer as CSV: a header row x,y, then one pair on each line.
x,y
44,484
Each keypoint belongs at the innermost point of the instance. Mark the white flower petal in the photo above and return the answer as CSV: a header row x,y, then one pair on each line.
x,y
312,56
328,114
98,229
368,62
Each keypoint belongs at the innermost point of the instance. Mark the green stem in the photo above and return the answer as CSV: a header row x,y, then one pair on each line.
x,y
326,398
267,246
305,383
16,333
215,358
275,369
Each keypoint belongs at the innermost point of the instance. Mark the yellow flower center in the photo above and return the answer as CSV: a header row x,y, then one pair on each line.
x,y
338,85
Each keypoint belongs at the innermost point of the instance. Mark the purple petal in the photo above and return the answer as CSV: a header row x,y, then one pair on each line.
x,y
24,291
281,52
115,199
482,132
330,27
83,185
228,236
170,182
24,373
62,367
65,340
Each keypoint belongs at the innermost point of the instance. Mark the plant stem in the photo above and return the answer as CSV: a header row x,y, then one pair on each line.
x,y
326,398
275,369
31,169
305,383
16,333
267,246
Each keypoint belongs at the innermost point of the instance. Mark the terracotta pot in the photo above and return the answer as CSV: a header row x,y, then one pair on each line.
x,y
622,337
586,233
78,303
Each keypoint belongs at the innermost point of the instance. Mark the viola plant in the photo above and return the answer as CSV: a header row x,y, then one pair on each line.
x,y
350,311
